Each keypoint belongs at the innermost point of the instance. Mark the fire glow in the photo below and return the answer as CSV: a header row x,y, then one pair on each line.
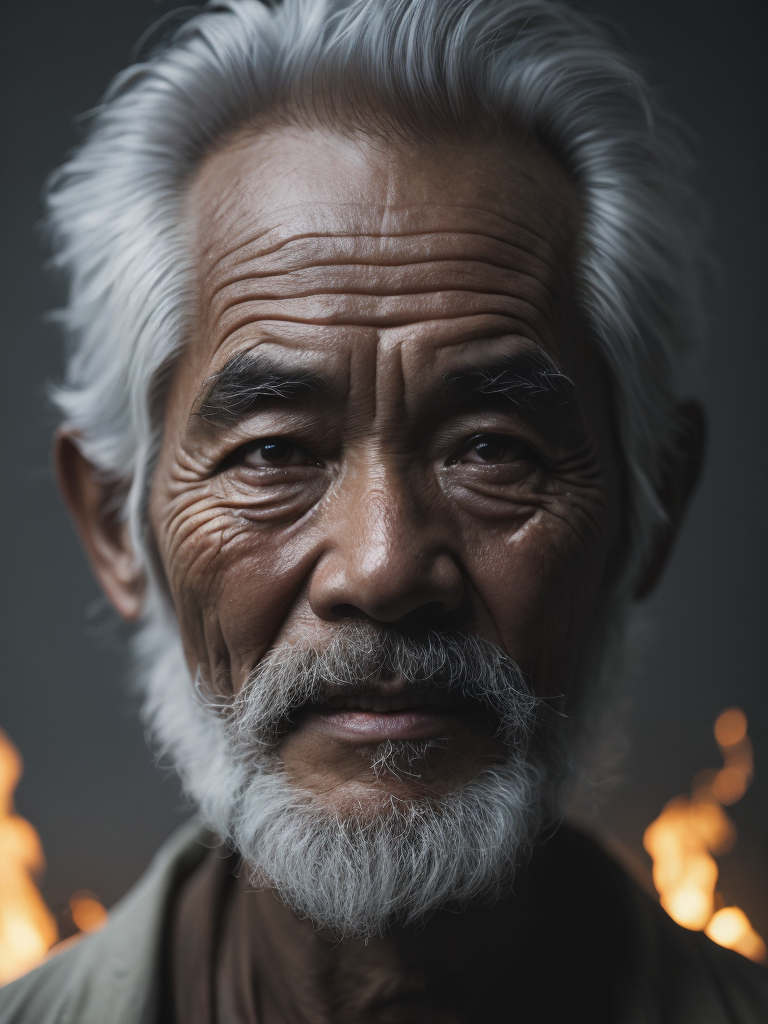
x,y
692,830
27,927
28,930
683,843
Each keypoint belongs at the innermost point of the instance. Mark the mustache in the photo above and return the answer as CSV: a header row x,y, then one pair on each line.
x,y
363,658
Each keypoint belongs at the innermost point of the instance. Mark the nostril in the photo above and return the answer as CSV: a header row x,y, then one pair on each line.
x,y
432,617
347,611
427,584
435,609
427,617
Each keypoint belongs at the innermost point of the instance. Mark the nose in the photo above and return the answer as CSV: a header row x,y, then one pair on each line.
x,y
386,556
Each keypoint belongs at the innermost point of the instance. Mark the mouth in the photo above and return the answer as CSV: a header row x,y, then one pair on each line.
x,y
375,716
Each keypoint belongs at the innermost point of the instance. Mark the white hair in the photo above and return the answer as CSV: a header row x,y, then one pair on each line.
x,y
418,66
358,869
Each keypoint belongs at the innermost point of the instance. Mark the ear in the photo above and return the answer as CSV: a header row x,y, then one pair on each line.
x,y
680,474
106,539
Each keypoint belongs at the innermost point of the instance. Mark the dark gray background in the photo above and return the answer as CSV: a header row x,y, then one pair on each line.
x,y
90,787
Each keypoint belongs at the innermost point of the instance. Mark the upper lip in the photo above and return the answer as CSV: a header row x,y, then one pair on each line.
x,y
380,702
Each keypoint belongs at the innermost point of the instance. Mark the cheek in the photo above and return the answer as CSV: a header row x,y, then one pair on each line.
x,y
232,583
540,587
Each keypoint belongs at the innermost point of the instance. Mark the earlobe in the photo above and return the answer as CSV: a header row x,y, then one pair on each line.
x,y
680,475
105,537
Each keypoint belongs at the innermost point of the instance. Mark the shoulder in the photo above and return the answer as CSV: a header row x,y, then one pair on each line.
x,y
40,996
113,975
675,975
701,981
743,985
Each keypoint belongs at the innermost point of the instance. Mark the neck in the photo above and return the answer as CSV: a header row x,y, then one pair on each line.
x,y
429,974
556,946
455,969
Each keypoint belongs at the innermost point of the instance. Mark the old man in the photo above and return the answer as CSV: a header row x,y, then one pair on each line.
x,y
374,423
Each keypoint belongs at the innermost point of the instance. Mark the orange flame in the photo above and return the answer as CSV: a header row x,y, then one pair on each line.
x,y
88,912
27,927
684,840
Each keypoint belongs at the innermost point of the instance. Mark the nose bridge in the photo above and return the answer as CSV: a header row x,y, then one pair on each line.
x,y
387,555
385,523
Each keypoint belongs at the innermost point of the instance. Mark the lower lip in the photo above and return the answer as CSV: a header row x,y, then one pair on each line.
x,y
420,723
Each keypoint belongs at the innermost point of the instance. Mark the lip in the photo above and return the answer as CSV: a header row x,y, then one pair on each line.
x,y
370,725
381,701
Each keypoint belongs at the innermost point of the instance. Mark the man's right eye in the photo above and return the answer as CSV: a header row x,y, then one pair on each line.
x,y
275,453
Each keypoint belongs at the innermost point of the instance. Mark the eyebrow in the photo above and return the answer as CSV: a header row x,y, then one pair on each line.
x,y
246,381
530,379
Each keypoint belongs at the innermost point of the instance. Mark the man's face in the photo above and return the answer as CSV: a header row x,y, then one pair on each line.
x,y
388,412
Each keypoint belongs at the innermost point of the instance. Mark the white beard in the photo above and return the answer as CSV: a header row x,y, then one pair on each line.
x,y
354,873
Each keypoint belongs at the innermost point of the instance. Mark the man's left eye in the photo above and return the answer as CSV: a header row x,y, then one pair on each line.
x,y
278,453
491,449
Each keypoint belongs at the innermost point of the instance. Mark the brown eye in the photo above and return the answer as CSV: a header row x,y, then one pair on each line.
x,y
275,453
491,449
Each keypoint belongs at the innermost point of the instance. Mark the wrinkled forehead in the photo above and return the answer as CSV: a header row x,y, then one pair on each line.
x,y
297,230
321,178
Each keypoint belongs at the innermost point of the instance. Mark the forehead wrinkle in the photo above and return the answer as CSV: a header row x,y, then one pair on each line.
x,y
537,246
531,289
494,224
504,256
535,226
467,256
213,262
359,311
470,331
443,270
532,325
247,177
380,297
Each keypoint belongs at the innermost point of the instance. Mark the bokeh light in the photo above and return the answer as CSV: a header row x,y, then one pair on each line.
x,y
692,830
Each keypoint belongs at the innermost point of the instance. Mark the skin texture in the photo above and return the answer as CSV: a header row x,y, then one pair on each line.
x,y
384,271
383,492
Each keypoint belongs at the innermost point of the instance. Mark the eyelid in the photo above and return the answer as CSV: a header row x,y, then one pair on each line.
x,y
237,455
456,430
527,450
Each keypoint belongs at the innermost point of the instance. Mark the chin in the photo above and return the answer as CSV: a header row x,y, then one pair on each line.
x,y
404,836
387,856
397,771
